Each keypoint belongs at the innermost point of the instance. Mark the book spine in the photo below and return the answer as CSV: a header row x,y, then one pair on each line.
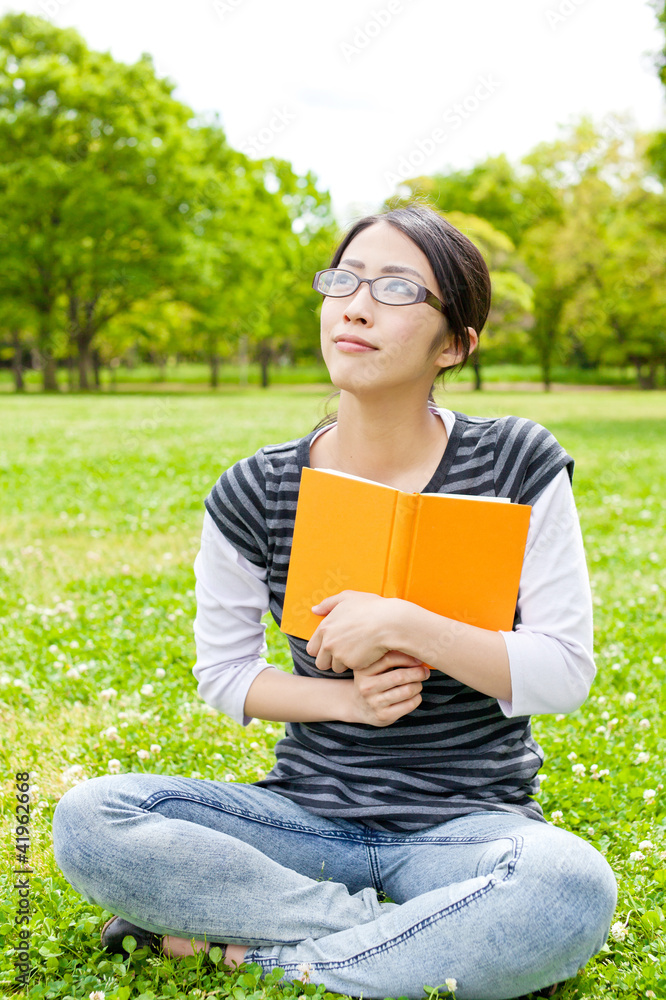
x,y
399,552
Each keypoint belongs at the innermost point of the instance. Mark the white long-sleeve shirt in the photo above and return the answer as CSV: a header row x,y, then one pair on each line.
x,y
550,652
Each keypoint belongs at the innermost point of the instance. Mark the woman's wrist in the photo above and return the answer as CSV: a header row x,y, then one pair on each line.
x,y
278,696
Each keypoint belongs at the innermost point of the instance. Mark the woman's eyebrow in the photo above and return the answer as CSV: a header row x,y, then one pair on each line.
x,y
387,269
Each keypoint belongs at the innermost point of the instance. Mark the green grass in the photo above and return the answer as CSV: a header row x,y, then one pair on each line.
x,y
102,505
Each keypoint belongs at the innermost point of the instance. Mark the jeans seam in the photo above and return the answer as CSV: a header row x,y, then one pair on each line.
x,y
371,838
165,796
375,870
410,932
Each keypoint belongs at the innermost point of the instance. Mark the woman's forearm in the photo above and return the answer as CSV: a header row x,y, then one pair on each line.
x,y
476,656
277,696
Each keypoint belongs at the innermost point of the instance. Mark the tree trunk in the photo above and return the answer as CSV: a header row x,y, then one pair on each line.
x,y
83,349
97,367
214,359
476,365
265,357
49,373
243,359
71,384
17,361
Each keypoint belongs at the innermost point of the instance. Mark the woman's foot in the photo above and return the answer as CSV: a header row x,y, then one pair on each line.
x,y
177,947
117,928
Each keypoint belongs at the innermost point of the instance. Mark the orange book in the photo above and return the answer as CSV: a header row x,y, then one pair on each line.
x,y
458,556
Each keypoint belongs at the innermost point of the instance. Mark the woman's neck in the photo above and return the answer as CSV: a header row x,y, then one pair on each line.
x,y
396,446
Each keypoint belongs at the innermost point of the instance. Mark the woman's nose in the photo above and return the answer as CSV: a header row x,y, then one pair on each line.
x,y
359,301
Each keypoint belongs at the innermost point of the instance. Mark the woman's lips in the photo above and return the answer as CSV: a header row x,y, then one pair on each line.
x,y
350,347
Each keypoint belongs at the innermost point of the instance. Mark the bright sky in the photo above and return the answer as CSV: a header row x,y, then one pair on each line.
x,y
363,93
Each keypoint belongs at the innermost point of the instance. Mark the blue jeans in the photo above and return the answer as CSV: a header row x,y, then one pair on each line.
x,y
501,903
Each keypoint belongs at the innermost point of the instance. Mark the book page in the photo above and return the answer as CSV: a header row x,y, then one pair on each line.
x,y
457,496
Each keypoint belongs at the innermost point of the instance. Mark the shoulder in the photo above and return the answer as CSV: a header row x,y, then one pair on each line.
x,y
526,455
238,501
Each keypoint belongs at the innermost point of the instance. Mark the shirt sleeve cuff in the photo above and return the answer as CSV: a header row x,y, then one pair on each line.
x,y
226,691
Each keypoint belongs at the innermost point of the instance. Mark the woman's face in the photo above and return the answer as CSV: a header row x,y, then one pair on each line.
x,y
402,336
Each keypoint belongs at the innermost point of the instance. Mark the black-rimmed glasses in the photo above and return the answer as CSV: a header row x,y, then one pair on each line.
x,y
390,289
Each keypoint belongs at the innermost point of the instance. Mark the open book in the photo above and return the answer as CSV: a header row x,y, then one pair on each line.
x,y
458,556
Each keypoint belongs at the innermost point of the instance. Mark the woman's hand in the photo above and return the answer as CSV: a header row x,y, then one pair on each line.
x,y
352,634
386,690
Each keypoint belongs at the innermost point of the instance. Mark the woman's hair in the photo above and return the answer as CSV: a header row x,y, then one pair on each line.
x,y
458,266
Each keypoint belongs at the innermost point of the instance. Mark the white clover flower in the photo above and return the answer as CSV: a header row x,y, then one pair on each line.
x,y
618,931
604,772
557,816
229,777
73,775
601,699
600,729
657,660
572,756
305,969
73,674
97,995
646,845
53,649
111,733
147,690
113,767
155,748
594,767
590,831
254,746
160,673
629,698
605,715
643,758
107,694
218,756
644,724
649,795
451,984
143,754
637,856
579,769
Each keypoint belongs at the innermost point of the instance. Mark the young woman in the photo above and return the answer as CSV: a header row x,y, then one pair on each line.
x,y
396,842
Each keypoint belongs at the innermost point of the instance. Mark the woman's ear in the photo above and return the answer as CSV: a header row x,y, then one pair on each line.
x,y
452,355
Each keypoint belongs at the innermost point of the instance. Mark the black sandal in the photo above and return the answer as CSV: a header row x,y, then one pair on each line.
x,y
117,928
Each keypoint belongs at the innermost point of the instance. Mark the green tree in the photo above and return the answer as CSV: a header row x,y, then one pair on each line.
x,y
95,166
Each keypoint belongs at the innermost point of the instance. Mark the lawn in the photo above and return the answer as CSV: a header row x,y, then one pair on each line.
x,y
102,505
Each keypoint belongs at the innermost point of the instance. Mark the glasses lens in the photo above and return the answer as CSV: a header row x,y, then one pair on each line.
x,y
396,291
337,282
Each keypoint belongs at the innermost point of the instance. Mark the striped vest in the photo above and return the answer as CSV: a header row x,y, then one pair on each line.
x,y
457,752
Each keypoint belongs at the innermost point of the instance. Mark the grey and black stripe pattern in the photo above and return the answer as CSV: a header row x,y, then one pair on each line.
x,y
456,753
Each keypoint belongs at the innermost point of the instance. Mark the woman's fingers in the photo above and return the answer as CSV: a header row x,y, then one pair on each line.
x,y
394,658
394,685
